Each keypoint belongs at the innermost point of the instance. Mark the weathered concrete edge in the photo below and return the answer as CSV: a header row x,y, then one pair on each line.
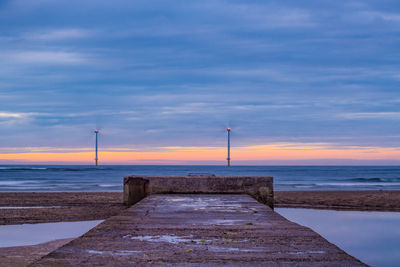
x,y
138,187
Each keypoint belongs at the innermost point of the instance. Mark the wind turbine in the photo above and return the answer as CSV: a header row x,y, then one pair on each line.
x,y
96,158
229,146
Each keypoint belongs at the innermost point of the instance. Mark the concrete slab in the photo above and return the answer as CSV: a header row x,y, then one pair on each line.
x,y
199,230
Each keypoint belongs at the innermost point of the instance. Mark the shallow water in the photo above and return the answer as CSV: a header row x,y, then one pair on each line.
x,y
32,234
372,237
53,178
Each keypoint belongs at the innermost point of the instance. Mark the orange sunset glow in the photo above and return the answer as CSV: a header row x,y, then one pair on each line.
x,y
176,155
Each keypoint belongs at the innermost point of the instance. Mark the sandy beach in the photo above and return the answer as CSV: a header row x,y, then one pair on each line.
x,y
58,207
370,200
80,206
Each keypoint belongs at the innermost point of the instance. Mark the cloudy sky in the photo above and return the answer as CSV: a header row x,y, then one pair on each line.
x,y
299,82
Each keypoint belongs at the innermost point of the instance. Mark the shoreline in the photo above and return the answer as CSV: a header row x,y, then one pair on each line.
x,y
81,206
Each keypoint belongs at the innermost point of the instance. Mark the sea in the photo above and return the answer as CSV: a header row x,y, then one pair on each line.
x,y
108,178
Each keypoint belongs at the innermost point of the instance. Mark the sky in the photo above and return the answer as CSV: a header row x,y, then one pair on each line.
x,y
299,82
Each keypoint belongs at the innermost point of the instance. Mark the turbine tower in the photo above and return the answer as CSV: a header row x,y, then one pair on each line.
x,y
229,146
96,158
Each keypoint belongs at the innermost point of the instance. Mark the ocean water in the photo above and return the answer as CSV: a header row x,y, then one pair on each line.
x,y
52,178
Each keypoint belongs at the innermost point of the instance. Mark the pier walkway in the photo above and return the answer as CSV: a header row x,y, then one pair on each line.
x,y
199,230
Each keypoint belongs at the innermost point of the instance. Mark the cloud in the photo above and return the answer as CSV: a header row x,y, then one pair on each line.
x,y
189,108
12,119
272,16
48,57
56,35
371,115
11,115
379,15
152,74
18,115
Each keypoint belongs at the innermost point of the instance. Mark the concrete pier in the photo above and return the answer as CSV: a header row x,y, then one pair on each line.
x,y
199,230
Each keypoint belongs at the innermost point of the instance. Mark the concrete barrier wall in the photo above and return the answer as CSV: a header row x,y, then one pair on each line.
x,y
259,187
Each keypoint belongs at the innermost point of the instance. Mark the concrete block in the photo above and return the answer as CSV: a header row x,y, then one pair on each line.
x,y
259,187
134,190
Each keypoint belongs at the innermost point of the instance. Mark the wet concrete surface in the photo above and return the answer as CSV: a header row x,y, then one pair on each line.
x,y
199,230
24,255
